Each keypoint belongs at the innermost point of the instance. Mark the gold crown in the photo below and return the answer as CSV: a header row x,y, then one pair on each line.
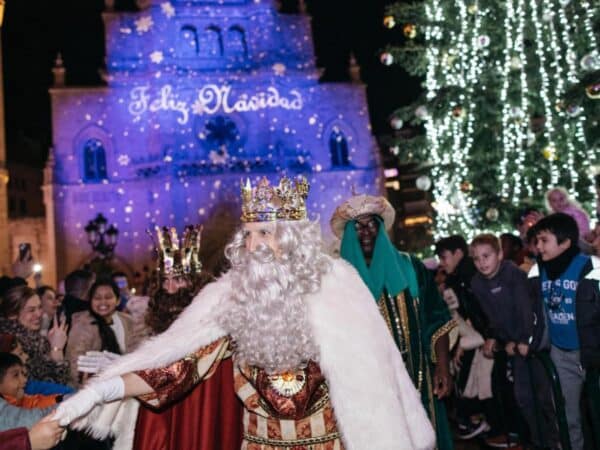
x,y
266,203
179,258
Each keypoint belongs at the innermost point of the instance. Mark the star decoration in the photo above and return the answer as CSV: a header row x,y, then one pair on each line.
x,y
123,160
156,57
143,24
198,107
167,9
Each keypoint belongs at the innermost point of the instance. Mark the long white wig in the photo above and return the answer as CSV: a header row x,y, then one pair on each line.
x,y
268,320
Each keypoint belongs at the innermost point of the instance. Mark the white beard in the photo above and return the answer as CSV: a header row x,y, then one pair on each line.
x,y
268,317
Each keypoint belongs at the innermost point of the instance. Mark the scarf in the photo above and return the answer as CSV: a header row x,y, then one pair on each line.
x,y
388,270
555,267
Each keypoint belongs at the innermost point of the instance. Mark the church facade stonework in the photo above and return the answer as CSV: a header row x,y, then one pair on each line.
x,y
199,95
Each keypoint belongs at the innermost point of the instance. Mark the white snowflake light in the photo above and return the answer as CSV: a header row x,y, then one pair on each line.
x,y
156,57
198,107
167,9
143,24
123,160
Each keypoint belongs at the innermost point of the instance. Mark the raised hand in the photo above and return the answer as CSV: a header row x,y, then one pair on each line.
x,y
94,361
57,335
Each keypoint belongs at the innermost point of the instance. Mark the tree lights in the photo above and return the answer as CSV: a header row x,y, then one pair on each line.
x,y
496,75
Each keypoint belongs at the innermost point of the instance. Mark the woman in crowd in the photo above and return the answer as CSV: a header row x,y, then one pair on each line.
x,y
50,304
21,315
558,200
99,328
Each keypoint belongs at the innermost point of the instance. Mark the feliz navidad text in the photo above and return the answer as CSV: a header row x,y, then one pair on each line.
x,y
210,99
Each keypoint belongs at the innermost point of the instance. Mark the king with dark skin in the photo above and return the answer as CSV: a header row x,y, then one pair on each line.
x,y
367,228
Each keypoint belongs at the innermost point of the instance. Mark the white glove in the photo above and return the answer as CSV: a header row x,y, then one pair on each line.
x,y
84,401
94,362
451,299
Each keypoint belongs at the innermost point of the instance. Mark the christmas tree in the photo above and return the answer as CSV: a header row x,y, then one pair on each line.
x,y
510,106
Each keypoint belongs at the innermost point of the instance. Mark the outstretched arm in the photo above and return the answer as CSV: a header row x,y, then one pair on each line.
x,y
135,385
98,392
155,387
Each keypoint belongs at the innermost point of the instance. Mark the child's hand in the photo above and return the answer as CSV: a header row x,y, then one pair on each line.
x,y
510,348
458,354
523,349
488,348
45,434
451,299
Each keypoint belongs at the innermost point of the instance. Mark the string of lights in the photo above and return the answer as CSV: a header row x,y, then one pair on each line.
x,y
522,57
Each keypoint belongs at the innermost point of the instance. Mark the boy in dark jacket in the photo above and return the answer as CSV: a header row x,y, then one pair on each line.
x,y
566,288
503,293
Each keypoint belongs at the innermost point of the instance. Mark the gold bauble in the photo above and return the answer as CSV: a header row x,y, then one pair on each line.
x,y
410,30
549,152
466,186
389,22
472,9
559,106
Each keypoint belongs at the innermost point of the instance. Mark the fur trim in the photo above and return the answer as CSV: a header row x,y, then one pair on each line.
x,y
375,401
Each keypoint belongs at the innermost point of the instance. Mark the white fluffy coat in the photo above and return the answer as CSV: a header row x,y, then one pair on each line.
x,y
375,402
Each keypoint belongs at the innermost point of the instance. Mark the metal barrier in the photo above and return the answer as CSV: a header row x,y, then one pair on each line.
x,y
591,391
559,400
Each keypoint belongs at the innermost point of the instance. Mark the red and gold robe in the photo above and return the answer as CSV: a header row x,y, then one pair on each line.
x,y
283,411
208,417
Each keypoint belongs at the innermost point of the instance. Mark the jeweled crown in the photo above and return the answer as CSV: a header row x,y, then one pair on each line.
x,y
266,203
177,257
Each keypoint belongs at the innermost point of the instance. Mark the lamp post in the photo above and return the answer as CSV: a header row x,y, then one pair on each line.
x,y
4,248
102,239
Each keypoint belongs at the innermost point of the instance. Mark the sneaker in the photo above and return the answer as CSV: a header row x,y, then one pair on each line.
x,y
502,441
471,430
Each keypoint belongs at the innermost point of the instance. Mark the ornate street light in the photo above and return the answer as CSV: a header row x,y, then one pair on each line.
x,y
102,239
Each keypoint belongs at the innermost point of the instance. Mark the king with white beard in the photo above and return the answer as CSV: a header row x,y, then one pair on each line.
x,y
314,365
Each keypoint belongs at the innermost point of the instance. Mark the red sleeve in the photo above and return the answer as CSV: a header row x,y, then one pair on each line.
x,y
172,382
15,439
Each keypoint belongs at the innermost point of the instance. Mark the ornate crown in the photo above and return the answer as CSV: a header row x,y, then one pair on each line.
x,y
266,203
175,257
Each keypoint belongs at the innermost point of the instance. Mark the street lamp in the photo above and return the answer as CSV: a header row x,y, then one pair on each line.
x,y
102,239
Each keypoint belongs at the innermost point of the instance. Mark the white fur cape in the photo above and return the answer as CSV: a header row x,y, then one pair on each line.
x,y
375,402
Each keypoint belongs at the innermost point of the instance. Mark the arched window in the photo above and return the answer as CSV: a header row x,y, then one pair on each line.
x,y
338,148
211,44
94,161
188,37
236,41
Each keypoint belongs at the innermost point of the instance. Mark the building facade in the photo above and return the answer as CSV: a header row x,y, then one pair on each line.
x,y
200,94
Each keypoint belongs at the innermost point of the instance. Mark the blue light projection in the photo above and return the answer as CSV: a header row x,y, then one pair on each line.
x,y
200,94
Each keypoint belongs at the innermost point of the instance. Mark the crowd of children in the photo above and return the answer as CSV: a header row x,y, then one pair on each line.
x,y
526,323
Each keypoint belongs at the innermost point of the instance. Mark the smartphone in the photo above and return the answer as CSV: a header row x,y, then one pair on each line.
x,y
24,251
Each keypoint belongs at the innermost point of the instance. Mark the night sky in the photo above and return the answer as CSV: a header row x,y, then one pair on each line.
x,y
35,30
